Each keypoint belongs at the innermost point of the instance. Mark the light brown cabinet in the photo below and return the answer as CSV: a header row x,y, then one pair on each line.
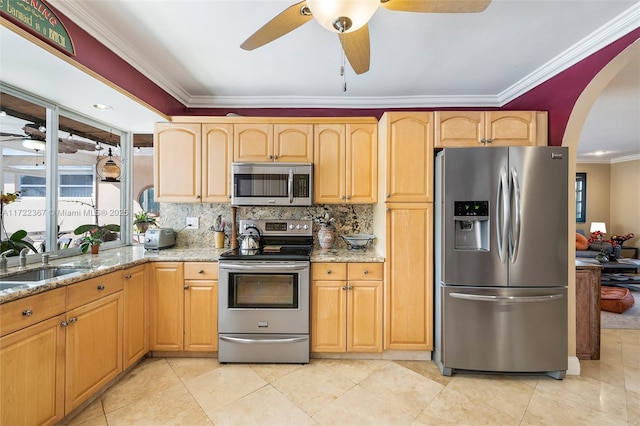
x,y
32,359
408,153
183,306
346,307
408,319
490,128
94,329
346,163
267,142
588,312
192,161
136,315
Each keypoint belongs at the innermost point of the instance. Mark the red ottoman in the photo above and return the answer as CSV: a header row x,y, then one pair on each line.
x,y
615,299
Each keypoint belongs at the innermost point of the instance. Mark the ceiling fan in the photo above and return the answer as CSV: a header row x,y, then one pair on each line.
x,y
348,18
34,134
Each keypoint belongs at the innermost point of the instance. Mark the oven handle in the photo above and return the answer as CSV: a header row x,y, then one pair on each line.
x,y
269,267
290,188
252,341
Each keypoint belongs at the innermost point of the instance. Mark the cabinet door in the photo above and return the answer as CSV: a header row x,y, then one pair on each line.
x,y
408,138
408,297
459,129
328,316
136,315
94,348
511,128
253,142
201,315
32,372
361,170
177,163
588,313
166,306
293,143
329,164
217,155
364,316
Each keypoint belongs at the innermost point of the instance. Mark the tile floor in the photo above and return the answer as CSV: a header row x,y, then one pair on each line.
x,y
188,391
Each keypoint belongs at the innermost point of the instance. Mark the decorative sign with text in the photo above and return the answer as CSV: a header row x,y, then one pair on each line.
x,y
36,16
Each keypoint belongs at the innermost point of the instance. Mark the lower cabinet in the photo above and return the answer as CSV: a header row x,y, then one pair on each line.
x,y
588,312
183,306
346,307
32,374
94,329
136,315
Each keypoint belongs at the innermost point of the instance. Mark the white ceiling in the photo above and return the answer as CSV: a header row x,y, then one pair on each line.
x,y
190,48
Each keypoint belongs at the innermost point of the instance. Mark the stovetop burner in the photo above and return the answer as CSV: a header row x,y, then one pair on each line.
x,y
280,240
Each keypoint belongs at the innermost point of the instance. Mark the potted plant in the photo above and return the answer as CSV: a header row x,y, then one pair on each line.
x,y
143,220
90,240
12,245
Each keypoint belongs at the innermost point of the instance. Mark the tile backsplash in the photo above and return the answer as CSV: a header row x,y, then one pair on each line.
x,y
349,219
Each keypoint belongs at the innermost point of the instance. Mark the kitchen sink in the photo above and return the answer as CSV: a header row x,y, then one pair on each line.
x,y
8,285
34,275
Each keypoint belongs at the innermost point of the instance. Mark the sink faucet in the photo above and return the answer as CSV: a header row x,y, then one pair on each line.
x,y
3,260
23,257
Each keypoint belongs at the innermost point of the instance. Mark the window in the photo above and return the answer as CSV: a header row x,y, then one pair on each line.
x,y
71,185
147,201
581,197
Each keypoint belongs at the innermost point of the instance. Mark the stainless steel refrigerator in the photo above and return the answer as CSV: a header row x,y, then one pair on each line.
x,y
501,260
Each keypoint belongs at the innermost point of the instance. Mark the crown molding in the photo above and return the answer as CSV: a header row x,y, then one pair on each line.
x,y
613,30
610,160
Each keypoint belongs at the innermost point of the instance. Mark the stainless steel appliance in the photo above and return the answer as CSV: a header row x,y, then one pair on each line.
x,y
159,238
501,260
272,184
263,299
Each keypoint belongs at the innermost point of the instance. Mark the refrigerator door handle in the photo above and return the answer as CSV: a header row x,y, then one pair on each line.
x,y
502,215
516,220
515,299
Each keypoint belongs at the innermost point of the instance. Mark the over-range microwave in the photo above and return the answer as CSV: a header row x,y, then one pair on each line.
x,y
271,184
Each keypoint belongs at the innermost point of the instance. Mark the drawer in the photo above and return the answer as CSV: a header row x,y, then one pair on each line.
x,y
328,271
200,270
24,312
93,289
365,271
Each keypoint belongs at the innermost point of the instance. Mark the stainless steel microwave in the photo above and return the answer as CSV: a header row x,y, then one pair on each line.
x,y
272,184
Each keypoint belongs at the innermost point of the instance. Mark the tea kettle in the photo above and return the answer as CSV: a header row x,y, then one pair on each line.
x,y
250,241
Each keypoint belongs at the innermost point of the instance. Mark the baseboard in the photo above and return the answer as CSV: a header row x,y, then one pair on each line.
x,y
573,366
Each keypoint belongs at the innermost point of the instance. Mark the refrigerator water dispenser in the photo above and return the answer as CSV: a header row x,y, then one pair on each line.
x,y
472,225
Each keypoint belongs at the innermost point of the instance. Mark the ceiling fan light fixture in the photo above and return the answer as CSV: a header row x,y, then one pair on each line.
x,y
33,144
343,16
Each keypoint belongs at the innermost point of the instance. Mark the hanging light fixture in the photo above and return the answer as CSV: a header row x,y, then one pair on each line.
x,y
343,16
108,169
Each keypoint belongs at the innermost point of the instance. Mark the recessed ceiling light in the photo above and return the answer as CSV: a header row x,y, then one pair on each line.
x,y
102,107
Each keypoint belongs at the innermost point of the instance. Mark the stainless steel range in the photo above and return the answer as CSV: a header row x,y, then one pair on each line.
x,y
263,301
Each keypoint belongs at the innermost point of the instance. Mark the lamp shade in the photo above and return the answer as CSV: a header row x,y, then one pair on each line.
x,y
598,226
342,15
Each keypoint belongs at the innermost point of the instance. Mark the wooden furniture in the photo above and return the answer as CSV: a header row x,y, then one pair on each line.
x,y
346,307
191,162
32,359
490,128
183,306
588,312
136,314
346,163
267,142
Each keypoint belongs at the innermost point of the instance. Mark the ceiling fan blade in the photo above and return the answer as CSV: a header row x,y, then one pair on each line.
x,y
287,21
356,49
436,6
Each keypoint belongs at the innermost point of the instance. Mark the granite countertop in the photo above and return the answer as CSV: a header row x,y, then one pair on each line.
x,y
111,260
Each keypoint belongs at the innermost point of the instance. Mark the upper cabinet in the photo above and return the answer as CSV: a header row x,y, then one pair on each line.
x,y
265,142
191,162
490,128
346,163
407,140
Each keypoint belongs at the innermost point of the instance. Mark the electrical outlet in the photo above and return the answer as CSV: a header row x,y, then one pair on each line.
x,y
192,223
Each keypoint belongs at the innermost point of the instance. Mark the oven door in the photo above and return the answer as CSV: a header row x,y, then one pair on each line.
x,y
263,297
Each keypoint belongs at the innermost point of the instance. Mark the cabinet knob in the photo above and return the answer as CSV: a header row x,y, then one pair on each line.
x,y
64,324
344,287
329,272
489,140
483,140
100,287
275,157
27,313
270,157
348,197
128,276
201,271
388,195
186,287
72,320
342,197
366,272
198,197
350,287
388,209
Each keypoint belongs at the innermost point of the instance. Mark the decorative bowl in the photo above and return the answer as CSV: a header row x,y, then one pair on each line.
x,y
358,241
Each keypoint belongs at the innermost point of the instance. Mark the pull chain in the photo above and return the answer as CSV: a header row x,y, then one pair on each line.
x,y
342,63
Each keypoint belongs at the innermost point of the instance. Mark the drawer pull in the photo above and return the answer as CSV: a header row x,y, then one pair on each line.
x,y
100,287
350,287
27,312
128,276
329,272
73,319
64,324
186,287
366,272
201,271
344,287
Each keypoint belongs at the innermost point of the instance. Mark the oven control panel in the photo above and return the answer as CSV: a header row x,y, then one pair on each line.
x,y
277,227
